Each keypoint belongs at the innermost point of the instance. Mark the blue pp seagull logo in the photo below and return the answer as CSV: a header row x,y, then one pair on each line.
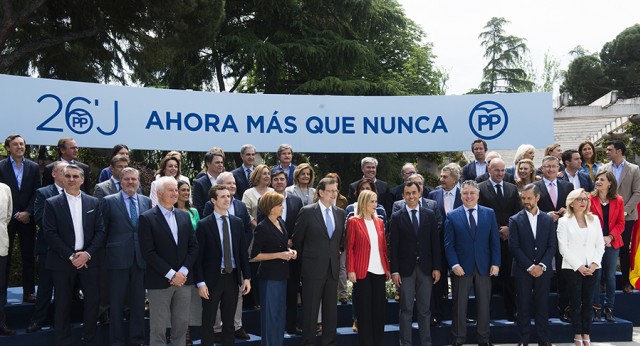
x,y
488,120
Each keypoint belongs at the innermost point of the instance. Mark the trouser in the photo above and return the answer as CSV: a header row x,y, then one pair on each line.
x,y
581,296
45,291
371,309
461,287
169,304
27,238
415,288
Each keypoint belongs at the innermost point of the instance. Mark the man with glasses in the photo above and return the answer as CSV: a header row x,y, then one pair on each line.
x,y
553,200
317,237
407,170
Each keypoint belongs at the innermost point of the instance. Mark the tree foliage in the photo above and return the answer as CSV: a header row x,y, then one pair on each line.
x,y
621,62
585,80
505,70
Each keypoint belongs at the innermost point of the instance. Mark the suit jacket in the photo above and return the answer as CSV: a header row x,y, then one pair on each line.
x,y
628,188
24,197
585,180
545,204
209,261
240,210
358,246
242,183
42,194
105,188
296,191
407,246
123,241
268,239
503,207
200,195
58,228
616,218
575,250
47,178
438,196
481,250
292,168
315,249
384,197
508,177
159,249
425,203
527,250
469,171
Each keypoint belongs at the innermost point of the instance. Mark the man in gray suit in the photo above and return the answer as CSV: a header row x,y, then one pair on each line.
x,y
124,261
318,238
112,185
628,178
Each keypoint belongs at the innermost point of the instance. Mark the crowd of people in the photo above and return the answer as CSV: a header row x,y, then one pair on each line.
x,y
194,250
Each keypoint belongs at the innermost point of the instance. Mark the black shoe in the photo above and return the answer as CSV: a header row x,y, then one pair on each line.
x,y
597,313
545,344
294,331
29,298
217,338
485,344
435,322
523,344
4,330
608,315
33,327
471,321
104,318
456,344
242,334
565,316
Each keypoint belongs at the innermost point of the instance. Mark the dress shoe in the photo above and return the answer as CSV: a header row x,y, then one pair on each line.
x,y
456,344
242,334
523,344
104,318
217,338
29,298
485,344
471,321
565,315
33,327
294,331
608,315
435,322
4,330
597,313
545,344
628,288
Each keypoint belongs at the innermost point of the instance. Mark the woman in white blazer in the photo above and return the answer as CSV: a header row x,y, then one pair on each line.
x,y
581,245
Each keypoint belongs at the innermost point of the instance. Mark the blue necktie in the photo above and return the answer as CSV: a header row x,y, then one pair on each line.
x,y
414,220
472,222
133,211
330,227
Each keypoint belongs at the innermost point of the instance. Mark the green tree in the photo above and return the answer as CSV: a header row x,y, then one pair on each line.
x,y
504,71
620,60
584,79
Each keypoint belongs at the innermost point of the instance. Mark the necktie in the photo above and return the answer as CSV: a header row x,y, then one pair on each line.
x,y
133,212
226,245
249,177
499,189
553,194
414,220
330,227
117,186
447,202
472,222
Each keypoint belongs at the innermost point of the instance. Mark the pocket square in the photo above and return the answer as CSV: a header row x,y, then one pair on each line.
x,y
91,211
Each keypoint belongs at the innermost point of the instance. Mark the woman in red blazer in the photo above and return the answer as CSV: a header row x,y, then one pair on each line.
x,y
609,207
368,268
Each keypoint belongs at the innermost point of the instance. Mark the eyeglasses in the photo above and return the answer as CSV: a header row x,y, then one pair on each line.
x,y
409,173
582,199
331,191
551,167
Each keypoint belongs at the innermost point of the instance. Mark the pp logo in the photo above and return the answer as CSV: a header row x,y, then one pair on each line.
x,y
488,120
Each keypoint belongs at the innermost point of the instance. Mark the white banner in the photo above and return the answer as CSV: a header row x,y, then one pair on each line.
x,y
100,116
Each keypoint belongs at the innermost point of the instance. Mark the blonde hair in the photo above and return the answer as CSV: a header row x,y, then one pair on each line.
x,y
364,198
572,197
257,174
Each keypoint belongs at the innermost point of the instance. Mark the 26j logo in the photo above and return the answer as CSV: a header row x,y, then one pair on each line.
x,y
78,119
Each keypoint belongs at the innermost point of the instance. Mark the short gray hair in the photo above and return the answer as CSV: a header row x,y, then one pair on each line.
x,y
163,181
127,170
471,183
453,169
245,147
222,176
367,160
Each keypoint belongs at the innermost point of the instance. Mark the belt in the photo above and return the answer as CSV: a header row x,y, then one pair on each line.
x,y
223,272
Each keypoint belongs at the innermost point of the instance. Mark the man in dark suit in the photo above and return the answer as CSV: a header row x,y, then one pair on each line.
x,y
222,266
573,171
45,280
74,228
68,151
285,156
424,202
472,246
478,166
503,198
124,261
23,177
508,177
112,185
318,239
169,248
369,166
407,170
415,261
5,217
553,199
214,161
447,197
533,244
242,173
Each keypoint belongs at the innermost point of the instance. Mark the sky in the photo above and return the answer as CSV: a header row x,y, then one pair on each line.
x,y
553,27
